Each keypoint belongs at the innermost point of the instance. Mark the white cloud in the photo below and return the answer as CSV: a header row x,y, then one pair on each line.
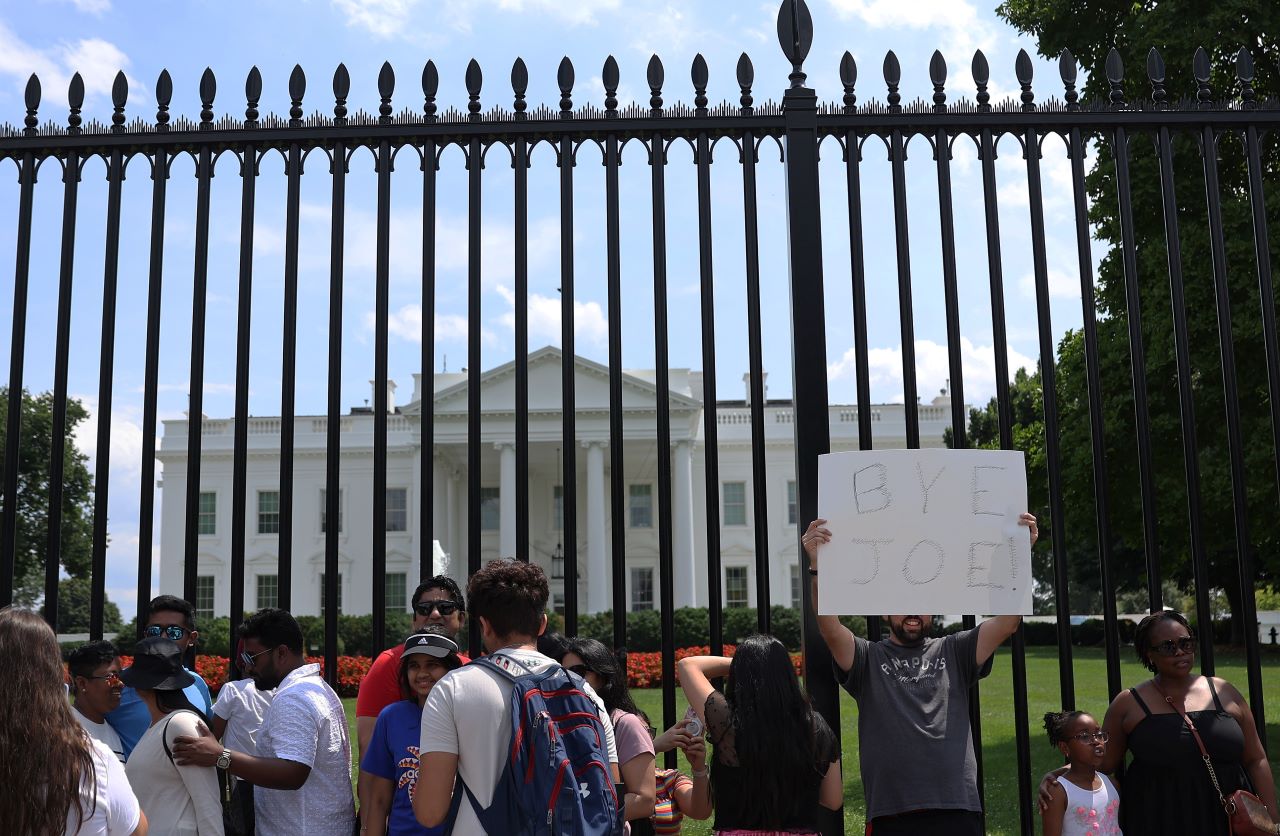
x,y
126,440
577,13
589,321
93,7
932,369
409,19
1061,285
406,323
95,59
384,18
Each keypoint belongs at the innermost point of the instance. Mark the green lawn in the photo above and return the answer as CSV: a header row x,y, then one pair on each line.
x,y
999,755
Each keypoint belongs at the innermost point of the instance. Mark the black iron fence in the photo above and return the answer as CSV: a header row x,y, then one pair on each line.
x,y
800,125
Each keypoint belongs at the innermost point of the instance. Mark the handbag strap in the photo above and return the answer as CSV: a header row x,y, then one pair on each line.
x,y
1204,753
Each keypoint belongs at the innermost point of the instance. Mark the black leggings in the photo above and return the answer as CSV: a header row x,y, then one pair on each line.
x,y
928,823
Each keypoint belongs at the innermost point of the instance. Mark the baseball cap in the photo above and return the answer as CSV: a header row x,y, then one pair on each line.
x,y
434,645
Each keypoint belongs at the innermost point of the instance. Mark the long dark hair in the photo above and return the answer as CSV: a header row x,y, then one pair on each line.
x,y
600,660
176,700
44,747
773,730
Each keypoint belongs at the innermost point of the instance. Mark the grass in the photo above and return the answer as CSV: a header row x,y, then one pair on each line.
x,y
999,753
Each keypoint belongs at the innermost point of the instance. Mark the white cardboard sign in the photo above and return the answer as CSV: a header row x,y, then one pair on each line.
x,y
924,531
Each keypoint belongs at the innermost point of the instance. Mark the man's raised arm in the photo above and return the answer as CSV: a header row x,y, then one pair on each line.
x,y
993,631
838,638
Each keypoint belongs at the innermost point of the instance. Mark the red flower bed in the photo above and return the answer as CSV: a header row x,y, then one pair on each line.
x,y
644,670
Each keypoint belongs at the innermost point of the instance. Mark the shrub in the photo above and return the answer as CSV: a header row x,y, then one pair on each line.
x,y
1041,633
1088,633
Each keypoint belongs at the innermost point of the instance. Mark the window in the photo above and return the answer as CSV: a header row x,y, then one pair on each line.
x,y
490,509
791,502
269,512
395,586
207,514
397,509
324,512
641,589
268,590
795,585
735,503
204,596
557,507
322,591
641,506
735,586
557,602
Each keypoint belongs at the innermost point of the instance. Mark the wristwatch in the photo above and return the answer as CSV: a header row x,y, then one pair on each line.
x,y
224,760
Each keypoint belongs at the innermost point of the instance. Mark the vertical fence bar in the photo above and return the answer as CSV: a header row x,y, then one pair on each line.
x,y
333,412
426,504
1235,440
617,480
475,161
380,401
195,384
62,350
858,277
1101,485
284,548
240,444
520,162
759,474
150,388
568,416
902,239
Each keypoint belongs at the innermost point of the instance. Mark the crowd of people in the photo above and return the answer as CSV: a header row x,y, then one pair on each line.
x,y
539,733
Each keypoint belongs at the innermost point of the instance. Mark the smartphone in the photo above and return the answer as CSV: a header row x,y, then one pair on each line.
x,y
694,728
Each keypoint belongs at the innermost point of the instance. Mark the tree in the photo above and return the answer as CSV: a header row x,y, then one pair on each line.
x,y
73,608
1090,28
34,454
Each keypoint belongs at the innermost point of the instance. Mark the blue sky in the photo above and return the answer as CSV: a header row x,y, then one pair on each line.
x,y
96,37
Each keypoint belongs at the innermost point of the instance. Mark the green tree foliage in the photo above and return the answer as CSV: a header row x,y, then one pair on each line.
x,y
74,596
1090,28
34,454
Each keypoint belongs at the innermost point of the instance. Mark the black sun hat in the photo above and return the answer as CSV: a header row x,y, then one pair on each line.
x,y
157,664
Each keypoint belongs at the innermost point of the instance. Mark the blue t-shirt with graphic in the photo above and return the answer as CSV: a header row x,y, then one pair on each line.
x,y
393,754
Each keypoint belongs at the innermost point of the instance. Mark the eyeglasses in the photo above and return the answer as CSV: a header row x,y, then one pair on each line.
x,y
112,678
1172,647
1091,737
173,632
247,659
446,608
580,670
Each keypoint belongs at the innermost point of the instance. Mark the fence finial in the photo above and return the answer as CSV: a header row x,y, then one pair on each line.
x,y
795,35
1067,69
1155,72
252,94
208,88
1244,73
700,75
32,99
893,75
849,78
938,75
297,89
609,76
341,90
1201,69
386,86
119,94
1025,71
164,95
430,86
474,79
1115,77
75,101
981,72
746,77
564,79
519,84
655,76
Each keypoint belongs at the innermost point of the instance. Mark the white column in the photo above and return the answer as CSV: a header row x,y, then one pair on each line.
x,y
507,499
453,543
439,505
686,576
598,597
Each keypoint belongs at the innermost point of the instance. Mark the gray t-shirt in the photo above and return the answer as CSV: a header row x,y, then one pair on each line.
x,y
913,709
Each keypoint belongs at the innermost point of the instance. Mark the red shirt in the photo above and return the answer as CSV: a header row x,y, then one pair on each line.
x,y
381,685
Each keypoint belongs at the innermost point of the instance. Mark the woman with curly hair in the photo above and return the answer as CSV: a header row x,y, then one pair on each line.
x,y
58,780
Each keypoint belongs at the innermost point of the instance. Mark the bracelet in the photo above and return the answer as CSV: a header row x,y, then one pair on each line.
x,y
703,774
813,572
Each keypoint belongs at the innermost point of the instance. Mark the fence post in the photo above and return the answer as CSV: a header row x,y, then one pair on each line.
x,y
808,337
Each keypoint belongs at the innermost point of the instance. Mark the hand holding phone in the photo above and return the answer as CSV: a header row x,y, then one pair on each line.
x,y
693,725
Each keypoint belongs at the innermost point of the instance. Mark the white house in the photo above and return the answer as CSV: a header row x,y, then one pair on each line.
x,y
594,481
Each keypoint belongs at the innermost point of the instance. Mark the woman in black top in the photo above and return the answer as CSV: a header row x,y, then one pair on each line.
x,y
775,758
1167,788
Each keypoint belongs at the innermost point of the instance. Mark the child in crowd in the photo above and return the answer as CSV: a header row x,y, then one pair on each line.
x,y
237,718
678,795
1083,801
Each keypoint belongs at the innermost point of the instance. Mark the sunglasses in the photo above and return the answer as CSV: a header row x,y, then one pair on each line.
x,y
446,608
1091,737
247,660
173,632
112,678
1172,647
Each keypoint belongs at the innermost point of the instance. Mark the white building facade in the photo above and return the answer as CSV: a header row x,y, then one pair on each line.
x,y
594,481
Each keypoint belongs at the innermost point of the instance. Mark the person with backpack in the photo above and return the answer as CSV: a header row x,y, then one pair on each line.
x,y
530,743
177,799
775,759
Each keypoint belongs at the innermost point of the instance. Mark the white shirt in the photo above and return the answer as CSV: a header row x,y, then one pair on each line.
x,y
243,706
473,704
178,800
101,731
111,806
1091,812
305,724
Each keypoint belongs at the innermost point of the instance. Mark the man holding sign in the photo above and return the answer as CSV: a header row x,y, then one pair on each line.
x,y
939,526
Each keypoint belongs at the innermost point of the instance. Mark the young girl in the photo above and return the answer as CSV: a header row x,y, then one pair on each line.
x,y
1084,801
